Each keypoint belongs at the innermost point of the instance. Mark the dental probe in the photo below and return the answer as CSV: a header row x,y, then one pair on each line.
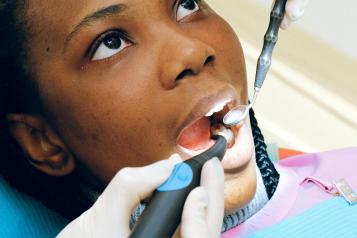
x,y
163,214
238,114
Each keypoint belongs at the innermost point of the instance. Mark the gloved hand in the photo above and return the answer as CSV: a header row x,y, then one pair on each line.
x,y
293,11
110,215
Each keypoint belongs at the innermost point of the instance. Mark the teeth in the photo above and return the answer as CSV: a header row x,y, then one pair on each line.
x,y
220,129
217,108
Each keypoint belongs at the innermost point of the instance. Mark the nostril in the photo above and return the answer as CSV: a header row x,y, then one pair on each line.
x,y
190,72
183,74
210,59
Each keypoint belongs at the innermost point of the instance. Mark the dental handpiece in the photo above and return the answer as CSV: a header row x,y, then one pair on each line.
x,y
237,115
163,214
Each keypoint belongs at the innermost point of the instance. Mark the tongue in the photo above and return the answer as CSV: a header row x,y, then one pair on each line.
x,y
197,136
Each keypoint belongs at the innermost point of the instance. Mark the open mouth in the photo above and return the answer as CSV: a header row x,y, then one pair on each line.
x,y
198,135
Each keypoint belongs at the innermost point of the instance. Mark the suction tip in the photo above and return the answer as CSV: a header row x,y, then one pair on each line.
x,y
225,132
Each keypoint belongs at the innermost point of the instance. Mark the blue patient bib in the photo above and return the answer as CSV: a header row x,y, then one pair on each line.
x,y
329,219
22,216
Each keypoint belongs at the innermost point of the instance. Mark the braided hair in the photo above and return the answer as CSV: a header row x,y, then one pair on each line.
x,y
19,94
265,165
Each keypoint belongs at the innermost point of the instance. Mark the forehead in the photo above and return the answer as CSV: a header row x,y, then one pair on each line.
x,y
63,11
50,22
61,15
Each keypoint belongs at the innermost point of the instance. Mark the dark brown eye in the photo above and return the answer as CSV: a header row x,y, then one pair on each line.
x,y
112,42
186,8
110,45
188,4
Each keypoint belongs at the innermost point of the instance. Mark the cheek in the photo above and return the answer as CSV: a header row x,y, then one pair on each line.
x,y
100,122
230,57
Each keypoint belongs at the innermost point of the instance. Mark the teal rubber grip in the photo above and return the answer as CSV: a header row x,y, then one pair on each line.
x,y
180,178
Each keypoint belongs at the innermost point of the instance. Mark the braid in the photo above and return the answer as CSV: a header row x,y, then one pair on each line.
x,y
266,167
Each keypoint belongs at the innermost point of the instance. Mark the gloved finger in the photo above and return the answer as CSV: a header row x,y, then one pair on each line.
x,y
113,209
204,208
285,23
212,178
194,215
295,9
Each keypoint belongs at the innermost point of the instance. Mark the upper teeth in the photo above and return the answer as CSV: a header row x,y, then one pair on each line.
x,y
217,108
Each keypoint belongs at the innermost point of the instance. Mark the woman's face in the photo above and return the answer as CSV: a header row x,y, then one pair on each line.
x,y
127,83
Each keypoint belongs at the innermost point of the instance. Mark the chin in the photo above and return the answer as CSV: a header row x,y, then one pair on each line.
x,y
240,187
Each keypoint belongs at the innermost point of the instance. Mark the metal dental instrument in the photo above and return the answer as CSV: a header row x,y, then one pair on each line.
x,y
238,114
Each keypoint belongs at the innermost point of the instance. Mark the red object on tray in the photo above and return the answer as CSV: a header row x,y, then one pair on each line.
x,y
285,153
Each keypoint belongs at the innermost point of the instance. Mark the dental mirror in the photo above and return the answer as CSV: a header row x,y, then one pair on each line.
x,y
237,115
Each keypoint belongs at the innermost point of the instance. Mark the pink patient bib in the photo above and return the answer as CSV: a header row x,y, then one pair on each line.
x,y
295,194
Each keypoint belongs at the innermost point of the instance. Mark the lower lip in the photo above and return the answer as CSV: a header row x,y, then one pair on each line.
x,y
236,156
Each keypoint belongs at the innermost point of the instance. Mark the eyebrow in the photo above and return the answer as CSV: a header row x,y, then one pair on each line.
x,y
98,15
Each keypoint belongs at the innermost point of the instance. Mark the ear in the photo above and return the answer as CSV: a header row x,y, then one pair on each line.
x,y
41,144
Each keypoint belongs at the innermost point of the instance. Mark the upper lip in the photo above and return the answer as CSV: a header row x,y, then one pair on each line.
x,y
207,103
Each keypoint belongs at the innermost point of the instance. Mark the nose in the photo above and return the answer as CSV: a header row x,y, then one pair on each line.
x,y
183,56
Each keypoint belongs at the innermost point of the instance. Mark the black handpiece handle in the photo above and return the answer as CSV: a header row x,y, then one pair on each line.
x,y
163,214
270,39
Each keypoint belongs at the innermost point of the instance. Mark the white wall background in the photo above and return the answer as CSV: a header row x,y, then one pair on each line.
x,y
333,21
